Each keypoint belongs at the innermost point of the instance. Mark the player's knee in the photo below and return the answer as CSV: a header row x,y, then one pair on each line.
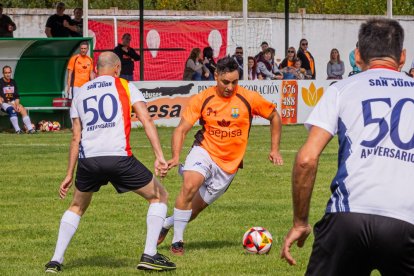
x,y
188,190
12,113
77,208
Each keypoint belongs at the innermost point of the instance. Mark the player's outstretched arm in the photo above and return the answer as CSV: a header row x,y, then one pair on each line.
x,y
160,165
73,157
275,131
177,141
303,179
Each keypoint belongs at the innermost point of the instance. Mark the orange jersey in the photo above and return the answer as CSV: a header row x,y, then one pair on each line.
x,y
83,69
225,123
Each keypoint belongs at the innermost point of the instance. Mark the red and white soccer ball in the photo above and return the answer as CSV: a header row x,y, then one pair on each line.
x,y
257,240
47,126
56,126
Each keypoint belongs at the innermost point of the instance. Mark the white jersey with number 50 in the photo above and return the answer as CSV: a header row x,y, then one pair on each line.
x,y
373,114
104,108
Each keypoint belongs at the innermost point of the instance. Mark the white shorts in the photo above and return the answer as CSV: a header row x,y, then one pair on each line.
x,y
216,181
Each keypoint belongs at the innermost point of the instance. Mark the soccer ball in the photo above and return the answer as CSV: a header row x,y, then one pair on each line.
x,y
40,125
56,126
47,126
257,240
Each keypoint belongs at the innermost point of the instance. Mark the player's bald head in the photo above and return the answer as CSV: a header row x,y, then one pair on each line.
x,y
107,62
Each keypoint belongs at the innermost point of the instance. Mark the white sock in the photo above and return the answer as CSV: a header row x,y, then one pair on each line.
x,y
155,219
169,222
181,219
67,229
27,123
15,123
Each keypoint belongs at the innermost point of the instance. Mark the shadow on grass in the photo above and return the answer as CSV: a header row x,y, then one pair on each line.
x,y
101,261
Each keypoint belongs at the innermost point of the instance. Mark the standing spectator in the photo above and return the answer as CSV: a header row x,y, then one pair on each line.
x,y
307,59
368,222
7,26
127,55
209,62
335,67
264,46
219,147
80,70
238,57
355,68
10,101
194,66
76,25
55,25
104,155
252,66
265,67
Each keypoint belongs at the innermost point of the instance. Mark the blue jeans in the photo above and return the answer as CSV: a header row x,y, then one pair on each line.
x,y
127,77
196,76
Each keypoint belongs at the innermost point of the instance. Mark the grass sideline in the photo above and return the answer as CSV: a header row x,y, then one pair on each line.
x,y
111,235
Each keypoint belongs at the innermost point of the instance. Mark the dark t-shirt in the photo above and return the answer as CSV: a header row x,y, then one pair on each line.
x,y
79,25
55,23
5,21
127,59
8,90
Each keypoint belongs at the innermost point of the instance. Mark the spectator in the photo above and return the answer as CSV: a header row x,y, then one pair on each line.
x,y
194,66
264,46
335,67
307,59
55,25
76,25
411,72
355,68
80,70
10,102
265,67
238,57
127,55
7,26
288,61
252,66
209,62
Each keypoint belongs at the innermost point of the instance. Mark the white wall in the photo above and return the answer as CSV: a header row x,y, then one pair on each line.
x,y
323,32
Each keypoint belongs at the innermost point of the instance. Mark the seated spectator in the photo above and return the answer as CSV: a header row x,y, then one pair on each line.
x,y
308,62
264,46
238,57
265,67
10,102
355,68
76,25
288,61
252,67
194,66
7,26
55,25
335,67
299,72
209,62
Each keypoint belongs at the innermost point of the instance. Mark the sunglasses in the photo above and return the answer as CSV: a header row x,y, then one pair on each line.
x,y
304,44
291,52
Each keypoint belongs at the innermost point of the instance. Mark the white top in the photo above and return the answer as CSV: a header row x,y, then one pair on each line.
x,y
104,108
373,114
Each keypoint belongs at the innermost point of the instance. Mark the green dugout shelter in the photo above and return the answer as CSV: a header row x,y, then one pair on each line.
x,y
39,66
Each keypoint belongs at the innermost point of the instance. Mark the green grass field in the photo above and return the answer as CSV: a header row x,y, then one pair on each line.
x,y
111,235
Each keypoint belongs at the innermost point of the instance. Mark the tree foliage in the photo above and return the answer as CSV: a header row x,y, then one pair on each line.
x,y
368,7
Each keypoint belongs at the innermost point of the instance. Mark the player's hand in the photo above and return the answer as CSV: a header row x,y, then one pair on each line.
x,y
276,158
297,234
173,163
65,186
18,107
161,167
65,23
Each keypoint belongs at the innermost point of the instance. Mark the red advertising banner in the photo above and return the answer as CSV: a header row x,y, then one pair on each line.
x,y
289,102
174,38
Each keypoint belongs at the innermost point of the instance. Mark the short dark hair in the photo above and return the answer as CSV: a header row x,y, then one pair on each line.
x,y
208,52
380,37
6,66
84,43
264,43
226,64
239,48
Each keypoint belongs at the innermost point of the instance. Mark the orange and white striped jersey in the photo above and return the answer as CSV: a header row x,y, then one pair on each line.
x,y
226,123
104,108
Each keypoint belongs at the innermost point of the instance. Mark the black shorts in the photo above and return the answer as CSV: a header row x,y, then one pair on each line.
x,y
355,244
125,173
